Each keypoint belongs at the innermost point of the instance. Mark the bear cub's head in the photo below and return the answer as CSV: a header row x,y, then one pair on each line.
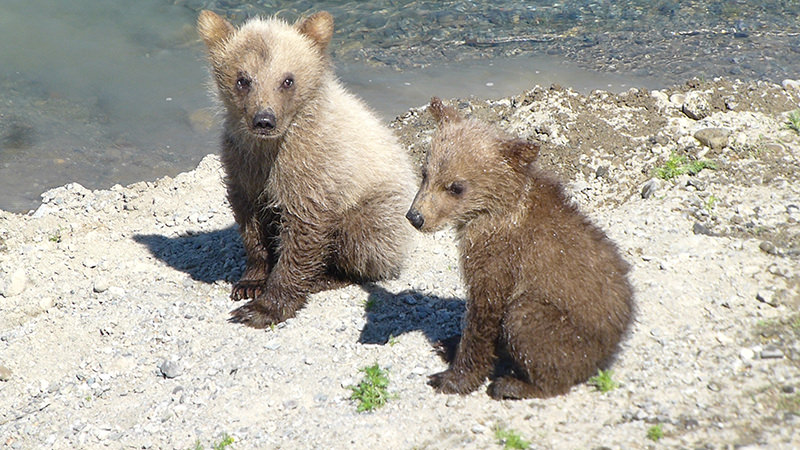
x,y
471,169
266,71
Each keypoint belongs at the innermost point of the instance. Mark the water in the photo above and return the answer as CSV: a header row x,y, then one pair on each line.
x,y
105,92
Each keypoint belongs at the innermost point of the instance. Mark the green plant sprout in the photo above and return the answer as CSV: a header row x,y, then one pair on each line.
x,y
371,393
603,381
510,439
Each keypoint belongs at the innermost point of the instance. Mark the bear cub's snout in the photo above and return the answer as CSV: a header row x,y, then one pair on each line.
x,y
415,218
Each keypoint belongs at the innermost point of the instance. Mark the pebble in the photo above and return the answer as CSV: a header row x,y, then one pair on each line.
x,y
15,284
696,105
650,187
768,247
5,373
699,228
290,404
479,429
170,368
791,84
747,354
771,353
101,284
714,138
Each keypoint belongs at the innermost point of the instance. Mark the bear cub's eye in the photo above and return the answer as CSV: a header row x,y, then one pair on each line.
x,y
455,188
288,82
243,83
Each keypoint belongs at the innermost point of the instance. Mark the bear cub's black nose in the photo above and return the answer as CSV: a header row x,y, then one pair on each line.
x,y
415,218
264,120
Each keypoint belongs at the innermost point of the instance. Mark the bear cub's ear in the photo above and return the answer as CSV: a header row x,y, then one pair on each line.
x,y
318,27
213,29
443,114
519,153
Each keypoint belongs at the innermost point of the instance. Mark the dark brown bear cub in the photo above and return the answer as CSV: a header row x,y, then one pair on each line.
x,y
545,286
318,186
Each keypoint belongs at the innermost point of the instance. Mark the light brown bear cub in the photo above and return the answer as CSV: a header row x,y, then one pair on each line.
x,y
317,185
545,286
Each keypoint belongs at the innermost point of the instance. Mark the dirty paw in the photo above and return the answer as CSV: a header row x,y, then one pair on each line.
x,y
450,382
511,388
248,289
256,315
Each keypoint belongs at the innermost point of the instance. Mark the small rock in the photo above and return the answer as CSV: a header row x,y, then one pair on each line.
x,y
791,84
697,184
714,138
453,401
771,353
15,284
90,263
601,171
747,354
696,105
768,247
650,187
677,99
45,303
699,228
170,368
101,284
290,404
5,373
767,296
479,429
730,103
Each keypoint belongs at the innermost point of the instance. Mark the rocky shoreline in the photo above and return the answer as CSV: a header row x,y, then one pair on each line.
x,y
114,303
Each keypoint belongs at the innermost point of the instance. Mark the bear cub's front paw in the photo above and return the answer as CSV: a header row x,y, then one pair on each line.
x,y
254,314
450,382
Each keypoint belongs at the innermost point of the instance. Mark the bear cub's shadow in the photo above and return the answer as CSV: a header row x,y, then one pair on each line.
x,y
439,319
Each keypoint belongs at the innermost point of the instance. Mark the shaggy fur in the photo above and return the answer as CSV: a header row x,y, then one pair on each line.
x,y
317,185
545,286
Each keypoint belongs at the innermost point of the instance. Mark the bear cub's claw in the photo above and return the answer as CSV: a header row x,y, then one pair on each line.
x,y
254,314
248,289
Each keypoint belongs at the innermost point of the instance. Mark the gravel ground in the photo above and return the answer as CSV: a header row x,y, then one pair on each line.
x,y
114,331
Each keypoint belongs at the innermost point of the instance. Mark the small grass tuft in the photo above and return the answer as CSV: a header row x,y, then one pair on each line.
x,y
603,381
655,432
371,303
372,392
793,122
225,441
55,237
711,202
677,165
510,439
